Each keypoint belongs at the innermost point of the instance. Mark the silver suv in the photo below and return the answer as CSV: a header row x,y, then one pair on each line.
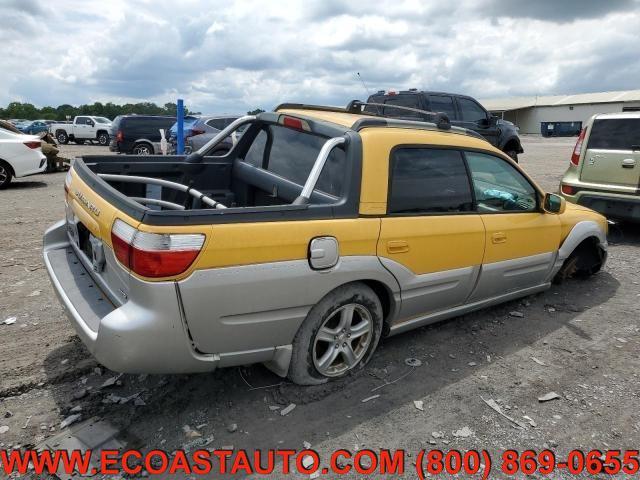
x,y
604,172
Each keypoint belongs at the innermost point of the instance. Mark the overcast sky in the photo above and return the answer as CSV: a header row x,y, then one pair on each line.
x,y
229,57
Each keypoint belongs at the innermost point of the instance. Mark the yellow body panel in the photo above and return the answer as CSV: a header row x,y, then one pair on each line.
x,y
435,243
427,244
515,235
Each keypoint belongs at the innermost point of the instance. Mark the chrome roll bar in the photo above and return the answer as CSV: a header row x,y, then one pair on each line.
x,y
316,170
164,183
233,126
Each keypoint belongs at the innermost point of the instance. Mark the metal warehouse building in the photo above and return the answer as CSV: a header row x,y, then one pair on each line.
x,y
535,114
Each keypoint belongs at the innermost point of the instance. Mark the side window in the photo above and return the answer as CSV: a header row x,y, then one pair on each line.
x,y
471,111
406,100
255,154
218,123
82,121
443,103
498,186
425,180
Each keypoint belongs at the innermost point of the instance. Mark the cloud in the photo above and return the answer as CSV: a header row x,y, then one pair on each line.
x,y
228,57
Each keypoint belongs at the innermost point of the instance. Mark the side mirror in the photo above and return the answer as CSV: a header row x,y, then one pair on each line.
x,y
493,120
554,203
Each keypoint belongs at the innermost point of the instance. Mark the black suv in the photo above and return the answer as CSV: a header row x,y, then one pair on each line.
x,y
139,134
463,111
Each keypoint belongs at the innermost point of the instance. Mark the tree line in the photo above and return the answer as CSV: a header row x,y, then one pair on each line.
x,y
110,110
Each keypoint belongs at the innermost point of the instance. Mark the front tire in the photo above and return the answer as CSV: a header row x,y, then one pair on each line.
x,y
339,335
103,139
5,175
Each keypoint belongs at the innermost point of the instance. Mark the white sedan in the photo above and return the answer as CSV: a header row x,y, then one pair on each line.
x,y
20,155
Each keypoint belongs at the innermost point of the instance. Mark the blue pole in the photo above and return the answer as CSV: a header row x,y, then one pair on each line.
x,y
180,147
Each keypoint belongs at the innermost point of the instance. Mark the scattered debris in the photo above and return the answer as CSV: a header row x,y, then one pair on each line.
x,y
492,403
10,321
139,402
232,427
539,362
621,340
530,420
97,371
79,394
516,314
437,434
472,364
71,419
372,397
306,445
557,417
273,408
26,424
190,433
3,429
110,382
64,361
551,309
413,362
35,293
464,432
548,396
419,404
76,409
288,409
394,381
451,355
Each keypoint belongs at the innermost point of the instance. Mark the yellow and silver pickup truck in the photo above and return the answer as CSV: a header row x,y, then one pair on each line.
x,y
321,231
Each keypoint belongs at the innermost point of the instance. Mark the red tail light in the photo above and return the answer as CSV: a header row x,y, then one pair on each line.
x,y
119,136
567,189
195,132
154,255
34,144
293,122
575,157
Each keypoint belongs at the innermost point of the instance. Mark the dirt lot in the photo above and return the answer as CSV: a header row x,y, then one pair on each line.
x,y
584,336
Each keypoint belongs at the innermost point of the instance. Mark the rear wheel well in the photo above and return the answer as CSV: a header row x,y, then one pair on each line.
x,y
386,299
101,131
12,171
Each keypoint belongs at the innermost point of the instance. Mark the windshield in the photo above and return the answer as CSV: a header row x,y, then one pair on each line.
x,y
102,120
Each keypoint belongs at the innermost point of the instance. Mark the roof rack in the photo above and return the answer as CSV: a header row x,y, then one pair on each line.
x,y
434,119
441,120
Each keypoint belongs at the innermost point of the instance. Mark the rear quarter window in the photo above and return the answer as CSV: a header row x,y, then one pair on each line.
x,y
615,134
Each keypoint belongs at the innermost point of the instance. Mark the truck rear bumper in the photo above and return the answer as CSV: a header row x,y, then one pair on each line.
x,y
145,335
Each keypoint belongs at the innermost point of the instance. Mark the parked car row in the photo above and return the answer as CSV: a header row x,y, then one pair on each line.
x,y
20,155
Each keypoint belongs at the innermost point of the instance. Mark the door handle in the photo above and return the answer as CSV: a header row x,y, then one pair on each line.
x,y
628,163
397,246
499,237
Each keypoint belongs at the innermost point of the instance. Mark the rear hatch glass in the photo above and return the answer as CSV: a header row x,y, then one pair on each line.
x,y
613,152
291,154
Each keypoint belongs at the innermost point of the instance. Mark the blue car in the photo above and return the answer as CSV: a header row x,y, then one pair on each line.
x,y
189,125
33,128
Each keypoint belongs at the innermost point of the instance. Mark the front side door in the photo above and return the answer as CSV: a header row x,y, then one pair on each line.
x,y
430,238
81,129
474,117
521,240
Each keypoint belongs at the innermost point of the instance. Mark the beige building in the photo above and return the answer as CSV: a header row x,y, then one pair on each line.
x,y
528,113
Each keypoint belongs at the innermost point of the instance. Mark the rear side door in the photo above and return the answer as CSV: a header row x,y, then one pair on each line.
x,y
430,238
81,128
521,240
613,152
475,117
444,104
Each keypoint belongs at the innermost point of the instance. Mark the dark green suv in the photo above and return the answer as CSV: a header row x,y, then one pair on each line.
x,y
463,111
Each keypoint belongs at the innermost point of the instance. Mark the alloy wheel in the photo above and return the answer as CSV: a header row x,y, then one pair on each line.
x,y
343,340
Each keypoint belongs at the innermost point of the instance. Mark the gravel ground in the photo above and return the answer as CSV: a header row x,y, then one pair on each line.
x,y
583,335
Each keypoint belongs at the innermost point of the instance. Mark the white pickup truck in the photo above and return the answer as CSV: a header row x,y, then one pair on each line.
x,y
82,129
